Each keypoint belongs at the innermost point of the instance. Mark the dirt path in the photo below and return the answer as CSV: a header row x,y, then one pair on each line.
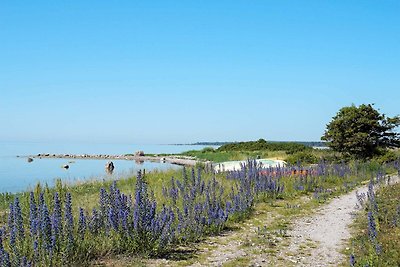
x,y
311,240
314,240
317,240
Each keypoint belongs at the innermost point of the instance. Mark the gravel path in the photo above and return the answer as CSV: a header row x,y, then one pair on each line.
x,y
318,239
313,240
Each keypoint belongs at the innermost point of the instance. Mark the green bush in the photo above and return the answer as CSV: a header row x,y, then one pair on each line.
x,y
261,144
302,157
207,150
387,156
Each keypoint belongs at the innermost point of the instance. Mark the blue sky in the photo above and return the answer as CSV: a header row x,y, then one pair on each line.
x,y
186,71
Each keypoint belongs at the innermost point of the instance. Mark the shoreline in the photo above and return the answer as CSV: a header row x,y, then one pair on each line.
x,y
177,160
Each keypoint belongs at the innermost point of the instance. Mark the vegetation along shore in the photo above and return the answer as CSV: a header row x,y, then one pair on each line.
x,y
251,216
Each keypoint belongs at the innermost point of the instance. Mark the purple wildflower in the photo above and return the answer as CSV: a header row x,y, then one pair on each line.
x,y
352,260
57,216
32,214
371,227
81,223
45,227
69,220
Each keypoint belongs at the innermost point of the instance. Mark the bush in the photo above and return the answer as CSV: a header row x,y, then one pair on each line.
x,y
261,144
207,150
387,156
302,157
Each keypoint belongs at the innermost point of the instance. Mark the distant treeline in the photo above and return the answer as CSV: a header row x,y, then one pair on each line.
x,y
261,144
305,143
210,143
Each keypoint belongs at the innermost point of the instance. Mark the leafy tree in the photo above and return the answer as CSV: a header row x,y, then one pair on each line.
x,y
362,132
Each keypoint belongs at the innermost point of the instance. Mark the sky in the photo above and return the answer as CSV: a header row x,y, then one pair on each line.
x,y
188,71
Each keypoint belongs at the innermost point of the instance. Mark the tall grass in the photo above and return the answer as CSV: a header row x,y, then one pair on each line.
x,y
152,213
377,238
222,156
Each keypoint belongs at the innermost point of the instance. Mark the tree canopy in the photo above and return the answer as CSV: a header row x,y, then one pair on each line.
x,y
362,132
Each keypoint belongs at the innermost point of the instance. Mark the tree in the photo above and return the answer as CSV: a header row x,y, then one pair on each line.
x,y
362,132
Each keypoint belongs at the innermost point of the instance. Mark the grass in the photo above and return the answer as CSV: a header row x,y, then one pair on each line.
x,y
272,219
306,156
242,261
277,211
221,156
387,219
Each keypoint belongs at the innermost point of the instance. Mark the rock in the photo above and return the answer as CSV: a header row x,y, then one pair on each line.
x,y
139,162
30,159
139,153
109,167
66,166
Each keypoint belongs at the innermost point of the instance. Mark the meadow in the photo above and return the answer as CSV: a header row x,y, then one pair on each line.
x,y
246,150
150,215
376,230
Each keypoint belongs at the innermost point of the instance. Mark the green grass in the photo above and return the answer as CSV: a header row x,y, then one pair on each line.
x,y
388,231
306,156
242,261
221,156
86,195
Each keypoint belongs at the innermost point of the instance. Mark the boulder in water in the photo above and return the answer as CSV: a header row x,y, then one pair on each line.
x,y
109,167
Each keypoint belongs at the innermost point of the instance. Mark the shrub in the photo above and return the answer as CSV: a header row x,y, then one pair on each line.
x,y
261,144
303,158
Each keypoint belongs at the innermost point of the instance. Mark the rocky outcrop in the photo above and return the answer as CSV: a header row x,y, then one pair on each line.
x,y
139,156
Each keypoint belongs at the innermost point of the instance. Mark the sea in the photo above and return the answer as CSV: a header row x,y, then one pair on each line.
x,y
17,174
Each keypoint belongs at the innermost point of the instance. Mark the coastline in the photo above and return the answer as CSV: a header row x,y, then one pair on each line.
x,y
177,160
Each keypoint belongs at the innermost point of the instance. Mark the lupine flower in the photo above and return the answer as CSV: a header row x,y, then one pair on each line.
x,y
57,216
81,223
112,218
32,214
371,227
69,220
45,228
35,247
41,199
94,224
352,260
378,248
11,218
6,259
1,244
13,236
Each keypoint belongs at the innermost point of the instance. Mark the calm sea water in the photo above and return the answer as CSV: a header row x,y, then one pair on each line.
x,y
16,174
